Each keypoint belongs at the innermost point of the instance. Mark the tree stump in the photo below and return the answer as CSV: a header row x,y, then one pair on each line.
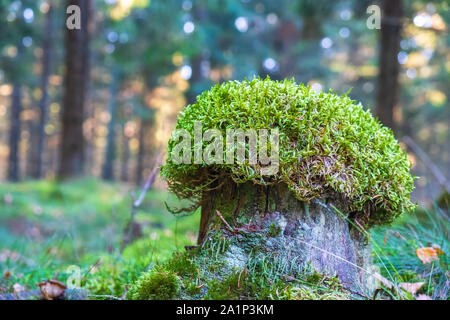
x,y
297,233
334,156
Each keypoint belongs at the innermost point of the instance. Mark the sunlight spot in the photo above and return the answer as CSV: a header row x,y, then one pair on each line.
x,y
189,27
241,24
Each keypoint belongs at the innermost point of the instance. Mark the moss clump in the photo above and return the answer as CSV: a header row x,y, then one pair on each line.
x,y
156,284
234,287
274,230
328,143
182,264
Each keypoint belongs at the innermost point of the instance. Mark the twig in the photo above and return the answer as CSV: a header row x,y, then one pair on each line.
x,y
137,202
224,221
441,179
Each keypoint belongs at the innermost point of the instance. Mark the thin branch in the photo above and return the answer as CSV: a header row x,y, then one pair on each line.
x,y
137,202
435,171
224,221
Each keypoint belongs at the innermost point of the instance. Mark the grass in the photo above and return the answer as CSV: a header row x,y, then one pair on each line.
x,y
45,227
395,251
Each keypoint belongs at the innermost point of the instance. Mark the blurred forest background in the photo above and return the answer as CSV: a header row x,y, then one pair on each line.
x,y
137,63
101,102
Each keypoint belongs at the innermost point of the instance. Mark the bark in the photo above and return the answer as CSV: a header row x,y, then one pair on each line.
x,y
14,134
143,130
110,154
311,232
125,156
196,77
388,85
75,89
37,170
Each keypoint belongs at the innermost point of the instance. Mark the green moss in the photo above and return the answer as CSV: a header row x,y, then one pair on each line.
x,y
182,264
156,284
231,288
327,142
274,230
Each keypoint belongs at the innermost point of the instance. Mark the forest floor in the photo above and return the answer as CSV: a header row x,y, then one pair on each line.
x,y
73,232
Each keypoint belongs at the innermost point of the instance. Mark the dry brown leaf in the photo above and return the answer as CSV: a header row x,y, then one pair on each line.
x,y
429,254
423,297
52,289
385,282
411,287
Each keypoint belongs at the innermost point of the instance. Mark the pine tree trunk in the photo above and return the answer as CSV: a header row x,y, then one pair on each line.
x,y
110,154
196,77
125,157
37,170
14,134
388,85
145,123
75,88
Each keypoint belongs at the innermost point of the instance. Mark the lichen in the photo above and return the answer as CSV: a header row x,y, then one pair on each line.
x,y
328,143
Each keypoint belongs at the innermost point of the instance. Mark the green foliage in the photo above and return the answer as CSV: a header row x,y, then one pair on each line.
x,y
156,284
327,143
231,288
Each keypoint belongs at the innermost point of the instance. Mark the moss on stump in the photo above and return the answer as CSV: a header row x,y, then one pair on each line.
x,y
340,172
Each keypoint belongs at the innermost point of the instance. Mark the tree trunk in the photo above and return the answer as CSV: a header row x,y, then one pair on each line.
x,y
125,156
37,170
75,88
14,134
196,77
110,154
145,124
297,233
388,86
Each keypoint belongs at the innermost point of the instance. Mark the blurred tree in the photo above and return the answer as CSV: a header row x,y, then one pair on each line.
x,y
37,151
388,84
110,154
15,63
75,87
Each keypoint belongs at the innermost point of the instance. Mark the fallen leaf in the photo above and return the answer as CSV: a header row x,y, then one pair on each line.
x,y
411,287
52,289
429,254
423,297
385,282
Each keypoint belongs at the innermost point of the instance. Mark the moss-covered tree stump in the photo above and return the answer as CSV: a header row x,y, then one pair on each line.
x,y
338,171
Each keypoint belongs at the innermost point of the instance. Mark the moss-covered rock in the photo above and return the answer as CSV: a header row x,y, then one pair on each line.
x,y
328,143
